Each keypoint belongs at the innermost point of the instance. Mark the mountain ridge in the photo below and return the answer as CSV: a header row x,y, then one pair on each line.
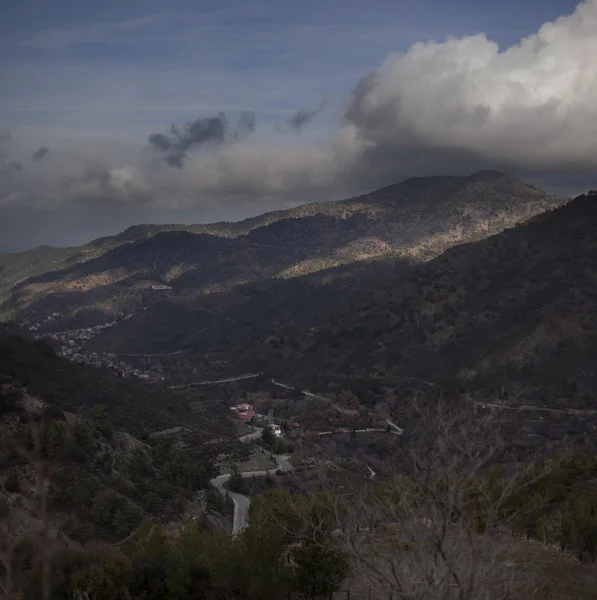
x,y
415,220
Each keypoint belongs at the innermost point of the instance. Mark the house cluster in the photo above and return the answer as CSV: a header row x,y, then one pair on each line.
x,y
71,346
276,429
244,411
36,326
111,361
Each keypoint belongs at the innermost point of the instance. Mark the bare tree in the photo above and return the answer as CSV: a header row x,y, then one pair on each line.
x,y
440,526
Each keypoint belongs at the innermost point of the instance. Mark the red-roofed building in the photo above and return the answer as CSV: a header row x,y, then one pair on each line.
x,y
246,416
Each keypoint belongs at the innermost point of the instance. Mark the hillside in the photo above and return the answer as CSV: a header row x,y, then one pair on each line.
x,y
506,195
119,451
415,220
137,408
240,317
515,308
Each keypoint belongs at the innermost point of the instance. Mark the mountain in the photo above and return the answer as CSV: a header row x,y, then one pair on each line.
x,y
415,220
243,315
517,308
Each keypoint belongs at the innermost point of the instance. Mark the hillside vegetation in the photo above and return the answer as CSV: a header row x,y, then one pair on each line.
x,y
112,451
454,523
415,220
517,308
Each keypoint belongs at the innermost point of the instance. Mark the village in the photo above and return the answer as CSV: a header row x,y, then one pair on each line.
x,y
70,344
246,413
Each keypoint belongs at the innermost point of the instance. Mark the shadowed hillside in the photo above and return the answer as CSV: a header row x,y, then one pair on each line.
x,y
517,306
414,220
113,451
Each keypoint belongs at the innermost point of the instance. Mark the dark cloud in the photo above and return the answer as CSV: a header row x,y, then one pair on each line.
x,y
40,153
202,132
245,126
301,118
10,167
161,142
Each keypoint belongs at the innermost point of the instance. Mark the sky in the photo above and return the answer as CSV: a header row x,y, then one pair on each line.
x,y
130,111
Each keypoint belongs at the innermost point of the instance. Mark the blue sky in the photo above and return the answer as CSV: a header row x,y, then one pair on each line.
x,y
412,88
122,68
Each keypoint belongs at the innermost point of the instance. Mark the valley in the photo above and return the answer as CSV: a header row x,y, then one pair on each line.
x,y
372,324
444,319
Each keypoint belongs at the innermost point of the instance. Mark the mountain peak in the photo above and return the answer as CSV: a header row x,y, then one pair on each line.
x,y
490,174
487,175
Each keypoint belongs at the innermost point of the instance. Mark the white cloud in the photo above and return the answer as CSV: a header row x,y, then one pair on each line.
x,y
531,106
439,107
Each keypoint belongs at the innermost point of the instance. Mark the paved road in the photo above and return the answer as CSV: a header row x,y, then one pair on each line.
x,y
526,407
347,411
283,461
148,355
227,380
241,502
396,430
252,436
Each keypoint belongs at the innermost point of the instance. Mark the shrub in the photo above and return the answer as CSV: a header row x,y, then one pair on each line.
x,y
12,484
9,400
108,579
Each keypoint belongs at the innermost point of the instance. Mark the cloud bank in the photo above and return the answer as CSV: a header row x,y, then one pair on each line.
x,y
441,107
531,105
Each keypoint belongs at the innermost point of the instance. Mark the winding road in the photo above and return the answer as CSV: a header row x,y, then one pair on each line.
x,y
252,436
227,380
242,502
347,411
